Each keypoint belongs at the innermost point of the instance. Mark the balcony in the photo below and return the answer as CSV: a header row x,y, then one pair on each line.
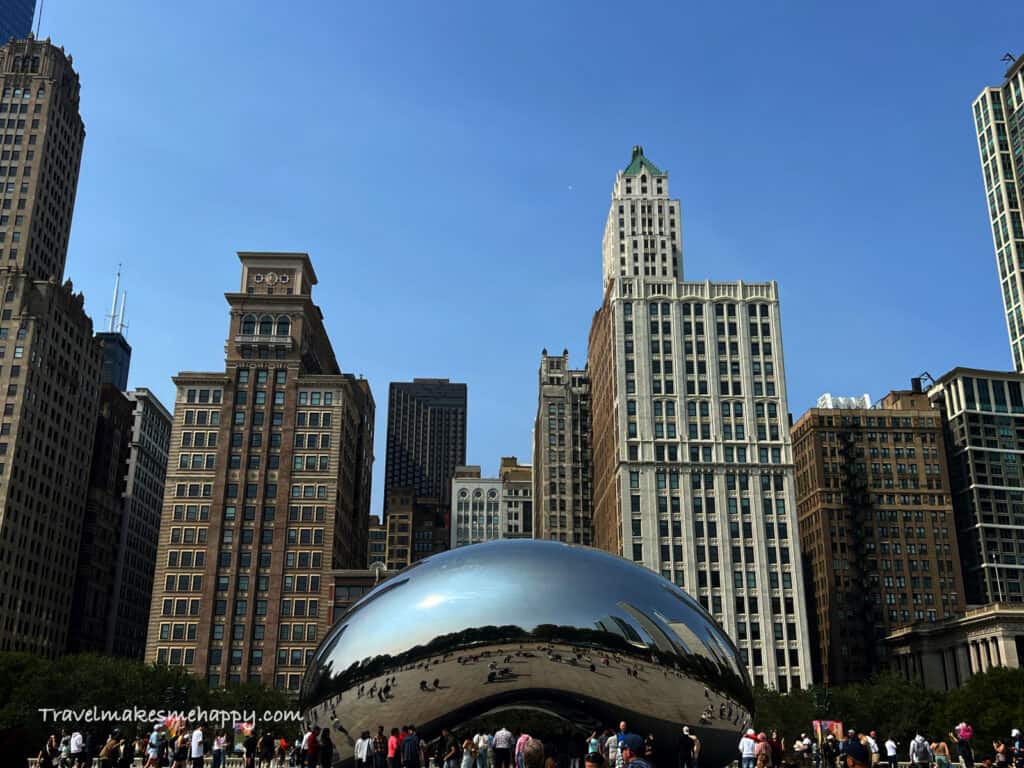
x,y
278,342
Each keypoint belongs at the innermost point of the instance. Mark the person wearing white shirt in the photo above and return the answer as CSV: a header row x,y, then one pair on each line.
x,y
482,742
746,749
890,752
197,747
77,744
873,747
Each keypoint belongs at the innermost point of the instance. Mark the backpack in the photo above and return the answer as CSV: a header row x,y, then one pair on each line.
x,y
922,753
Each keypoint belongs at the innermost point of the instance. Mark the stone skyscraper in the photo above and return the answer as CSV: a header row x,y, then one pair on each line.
x,y
999,121
563,499
693,465
50,372
268,489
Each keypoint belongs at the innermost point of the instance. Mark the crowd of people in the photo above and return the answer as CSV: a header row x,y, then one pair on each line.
x,y
399,748
403,747
865,749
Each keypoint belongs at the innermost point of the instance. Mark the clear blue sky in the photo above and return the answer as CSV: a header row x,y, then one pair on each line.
x,y
448,167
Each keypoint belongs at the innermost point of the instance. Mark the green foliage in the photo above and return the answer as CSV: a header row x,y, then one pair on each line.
x,y
29,683
993,703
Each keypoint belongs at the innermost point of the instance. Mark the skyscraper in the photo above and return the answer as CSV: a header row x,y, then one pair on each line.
x,y
563,502
426,437
16,19
983,419
999,120
268,491
142,501
695,481
51,378
876,527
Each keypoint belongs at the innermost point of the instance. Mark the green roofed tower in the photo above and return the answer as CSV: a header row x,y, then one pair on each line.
x,y
643,234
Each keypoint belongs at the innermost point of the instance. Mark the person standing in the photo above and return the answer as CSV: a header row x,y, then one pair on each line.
x,y
872,739
632,750
49,755
380,748
520,743
762,752
326,749
890,752
197,749
920,753
482,742
410,749
364,750
685,751
393,741
940,751
219,742
622,733
696,745
468,754
449,749
502,744
747,746
611,747
964,750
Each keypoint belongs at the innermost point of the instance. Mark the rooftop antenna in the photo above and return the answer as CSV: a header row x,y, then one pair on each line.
x,y
121,324
39,18
113,304
1009,57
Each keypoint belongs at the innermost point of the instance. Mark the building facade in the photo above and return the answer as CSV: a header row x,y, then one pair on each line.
x,y
562,459
378,538
268,489
98,551
349,586
426,437
693,466
16,19
142,501
417,527
983,420
947,654
877,530
491,508
999,121
50,376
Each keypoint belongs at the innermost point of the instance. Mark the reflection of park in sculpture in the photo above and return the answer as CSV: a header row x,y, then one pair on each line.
x,y
529,634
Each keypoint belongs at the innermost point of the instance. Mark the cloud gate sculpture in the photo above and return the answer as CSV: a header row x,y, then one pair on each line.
x,y
535,636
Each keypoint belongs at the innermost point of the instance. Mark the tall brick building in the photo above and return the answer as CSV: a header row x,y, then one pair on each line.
x,y
49,360
876,528
268,488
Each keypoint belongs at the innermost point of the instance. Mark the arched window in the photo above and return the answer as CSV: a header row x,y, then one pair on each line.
x,y
249,325
266,325
40,93
284,325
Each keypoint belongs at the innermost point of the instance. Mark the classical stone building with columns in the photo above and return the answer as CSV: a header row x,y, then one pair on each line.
x,y
947,654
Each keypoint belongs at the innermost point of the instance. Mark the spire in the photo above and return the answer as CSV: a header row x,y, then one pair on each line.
x,y
638,162
113,304
121,324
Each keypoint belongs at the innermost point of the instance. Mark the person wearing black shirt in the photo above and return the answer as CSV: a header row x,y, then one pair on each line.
x,y
251,745
410,749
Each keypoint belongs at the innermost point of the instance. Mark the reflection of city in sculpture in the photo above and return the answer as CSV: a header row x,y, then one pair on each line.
x,y
533,635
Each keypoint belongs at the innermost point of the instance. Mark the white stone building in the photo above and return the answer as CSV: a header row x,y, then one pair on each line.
x,y
693,464
491,508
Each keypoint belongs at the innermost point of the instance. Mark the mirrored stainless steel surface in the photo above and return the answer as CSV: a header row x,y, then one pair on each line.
x,y
534,635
